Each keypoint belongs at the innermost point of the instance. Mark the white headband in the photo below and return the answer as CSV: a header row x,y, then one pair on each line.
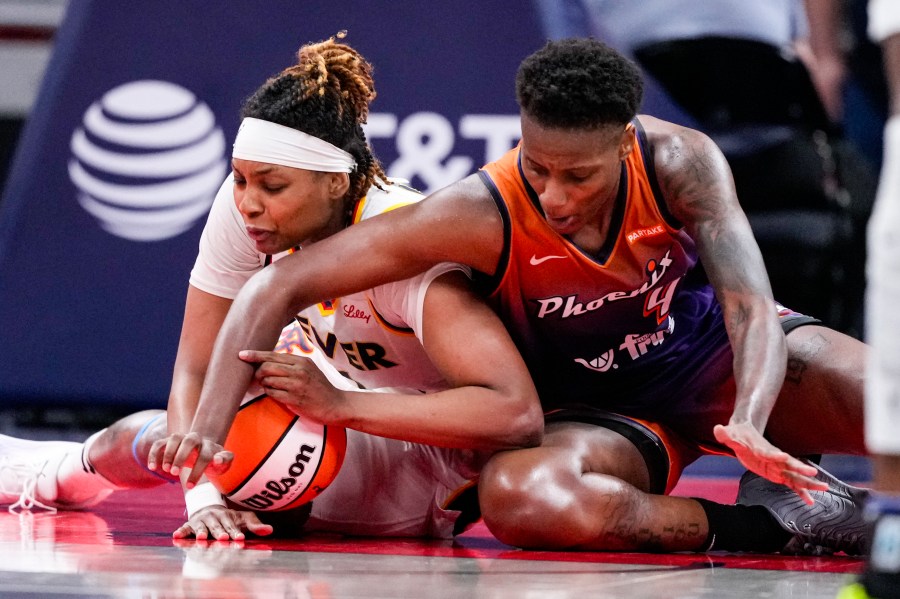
x,y
265,141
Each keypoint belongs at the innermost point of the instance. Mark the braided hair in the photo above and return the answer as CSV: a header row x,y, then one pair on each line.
x,y
578,83
325,94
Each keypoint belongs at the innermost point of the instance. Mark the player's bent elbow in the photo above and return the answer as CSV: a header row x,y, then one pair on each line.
x,y
526,428
267,293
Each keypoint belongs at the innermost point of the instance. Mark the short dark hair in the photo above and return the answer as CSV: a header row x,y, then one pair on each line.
x,y
579,83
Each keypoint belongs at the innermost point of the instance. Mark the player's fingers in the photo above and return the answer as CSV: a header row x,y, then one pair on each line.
x,y
218,523
281,377
185,531
194,456
271,382
232,527
251,356
201,533
260,529
284,368
256,356
221,462
293,383
181,454
174,443
217,531
805,496
269,369
801,481
154,457
279,395
196,472
251,523
777,467
802,490
802,467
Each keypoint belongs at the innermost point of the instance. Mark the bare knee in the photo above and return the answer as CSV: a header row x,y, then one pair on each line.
x,y
543,506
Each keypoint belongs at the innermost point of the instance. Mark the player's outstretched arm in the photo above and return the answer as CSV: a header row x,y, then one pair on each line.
x,y
699,189
457,224
203,316
491,402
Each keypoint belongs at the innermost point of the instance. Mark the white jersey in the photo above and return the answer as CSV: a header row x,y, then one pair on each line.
x,y
884,19
882,268
374,340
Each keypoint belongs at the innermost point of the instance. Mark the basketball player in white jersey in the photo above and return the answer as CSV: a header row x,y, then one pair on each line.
x,y
881,578
302,171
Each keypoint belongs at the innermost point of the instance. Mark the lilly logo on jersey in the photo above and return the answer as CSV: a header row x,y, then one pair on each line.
x,y
352,311
275,490
147,160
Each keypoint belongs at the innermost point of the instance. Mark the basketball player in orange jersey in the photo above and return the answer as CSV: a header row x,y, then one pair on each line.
x,y
615,251
302,171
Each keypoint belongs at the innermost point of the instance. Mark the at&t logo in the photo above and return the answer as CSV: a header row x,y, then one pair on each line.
x,y
147,160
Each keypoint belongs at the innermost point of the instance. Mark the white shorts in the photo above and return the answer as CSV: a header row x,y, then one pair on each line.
x,y
882,316
394,488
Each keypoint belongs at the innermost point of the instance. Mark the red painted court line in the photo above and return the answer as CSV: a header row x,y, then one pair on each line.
x,y
147,518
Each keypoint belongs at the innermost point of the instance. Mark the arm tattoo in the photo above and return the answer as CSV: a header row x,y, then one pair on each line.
x,y
698,190
799,360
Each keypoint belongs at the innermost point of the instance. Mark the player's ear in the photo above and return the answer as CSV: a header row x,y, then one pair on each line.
x,y
626,142
338,184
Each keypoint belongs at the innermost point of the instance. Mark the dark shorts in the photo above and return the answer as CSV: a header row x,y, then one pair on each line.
x,y
666,452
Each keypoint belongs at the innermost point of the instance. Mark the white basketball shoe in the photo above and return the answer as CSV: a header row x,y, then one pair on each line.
x,y
28,471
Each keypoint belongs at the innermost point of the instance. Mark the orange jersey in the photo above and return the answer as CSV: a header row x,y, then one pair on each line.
x,y
625,329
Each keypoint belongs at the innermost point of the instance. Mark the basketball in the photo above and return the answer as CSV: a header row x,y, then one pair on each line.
x,y
281,460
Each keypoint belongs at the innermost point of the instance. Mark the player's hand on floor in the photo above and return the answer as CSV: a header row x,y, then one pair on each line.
x,y
756,453
221,524
296,382
190,450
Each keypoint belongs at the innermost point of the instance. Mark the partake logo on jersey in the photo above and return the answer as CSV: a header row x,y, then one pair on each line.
x,y
147,160
637,234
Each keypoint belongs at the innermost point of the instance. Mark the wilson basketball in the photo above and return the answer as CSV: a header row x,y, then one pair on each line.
x,y
281,460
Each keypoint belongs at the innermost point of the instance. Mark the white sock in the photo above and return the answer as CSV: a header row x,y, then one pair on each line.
x,y
78,483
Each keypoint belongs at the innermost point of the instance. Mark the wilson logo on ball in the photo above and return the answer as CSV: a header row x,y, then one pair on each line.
x,y
277,490
281,460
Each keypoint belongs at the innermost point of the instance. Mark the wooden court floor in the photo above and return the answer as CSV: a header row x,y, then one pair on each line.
x,y
123,549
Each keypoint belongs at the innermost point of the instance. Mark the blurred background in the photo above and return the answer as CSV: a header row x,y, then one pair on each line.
x,y
98,234
98,230
27,28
